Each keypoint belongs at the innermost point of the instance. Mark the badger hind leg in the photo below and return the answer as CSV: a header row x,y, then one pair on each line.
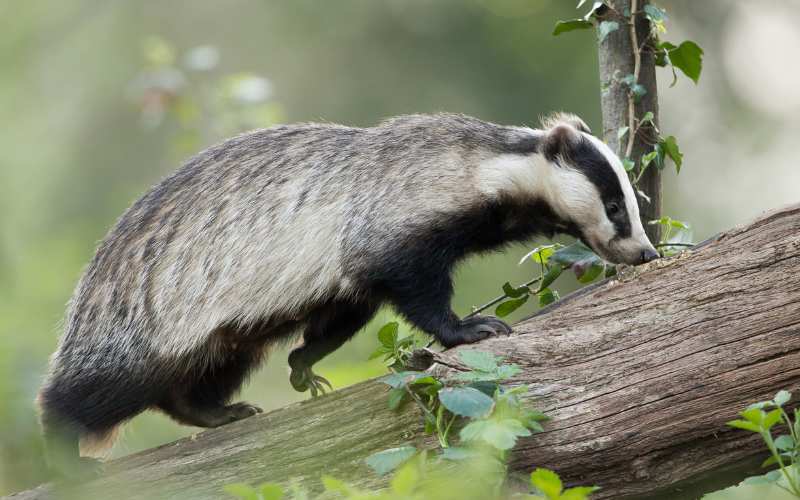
x,y
202,397
328,327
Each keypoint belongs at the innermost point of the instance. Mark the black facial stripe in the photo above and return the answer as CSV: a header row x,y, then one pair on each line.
x,y
586,158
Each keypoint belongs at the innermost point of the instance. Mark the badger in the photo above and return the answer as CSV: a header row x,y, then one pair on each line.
x,y
308,229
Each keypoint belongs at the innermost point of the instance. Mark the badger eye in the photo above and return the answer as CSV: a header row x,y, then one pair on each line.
x,y
613,208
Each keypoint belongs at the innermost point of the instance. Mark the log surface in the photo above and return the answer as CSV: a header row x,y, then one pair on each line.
x,y
639,374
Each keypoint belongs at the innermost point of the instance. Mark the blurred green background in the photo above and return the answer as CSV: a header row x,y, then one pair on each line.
x,y
101,99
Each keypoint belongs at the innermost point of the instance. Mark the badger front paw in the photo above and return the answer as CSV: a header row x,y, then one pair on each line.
x,y
477,328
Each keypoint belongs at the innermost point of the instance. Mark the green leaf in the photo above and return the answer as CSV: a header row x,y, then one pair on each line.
x,y
687,57
396,397
782,397
605,28
784,442
388,460
571,254
387,335
628,164
486,386
771,460
241,490
466,401
505,308
479,360
541,254
754,415
457,453
517,292
670,145
648,117
336,485
380,351
271,491
501,434
572,25
547,296
405,480
552,274
506,371
772,418
621,132
590,271
578,492
647,158
655,14
744,424
401,379
547,482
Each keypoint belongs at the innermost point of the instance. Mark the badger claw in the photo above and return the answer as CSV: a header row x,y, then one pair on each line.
x,y
303,379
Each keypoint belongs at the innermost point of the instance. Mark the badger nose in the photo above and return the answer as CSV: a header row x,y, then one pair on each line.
x,y
648,254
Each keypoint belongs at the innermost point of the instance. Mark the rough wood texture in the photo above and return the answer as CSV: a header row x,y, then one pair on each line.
x,y
616,61
639,374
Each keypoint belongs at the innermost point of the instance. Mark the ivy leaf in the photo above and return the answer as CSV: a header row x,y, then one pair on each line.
x,y
571,254
547,482
456,453
479,360
743,424
396,397
387,335
401,379
501,434
547,296
782,397
466,401
648,117
628,164
515,293
540,255
572,25
552,274
784,442
588,271
670,146
654,13
687,57
649,157
509,306
605,28
388,460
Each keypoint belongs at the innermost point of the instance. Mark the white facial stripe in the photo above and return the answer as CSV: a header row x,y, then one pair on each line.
x,y
513,174
637,231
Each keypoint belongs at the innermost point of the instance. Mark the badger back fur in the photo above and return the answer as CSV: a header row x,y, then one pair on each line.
x,y
309,228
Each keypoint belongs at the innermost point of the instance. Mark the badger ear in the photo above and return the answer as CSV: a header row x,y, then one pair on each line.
x,y
559,118
559,141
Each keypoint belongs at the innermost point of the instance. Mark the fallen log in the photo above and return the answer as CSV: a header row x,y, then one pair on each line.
x,y
639,374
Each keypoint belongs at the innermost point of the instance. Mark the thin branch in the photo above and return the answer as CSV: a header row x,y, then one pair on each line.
x,y
637,63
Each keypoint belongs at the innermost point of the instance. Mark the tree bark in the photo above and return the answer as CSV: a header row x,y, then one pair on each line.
x,y
617,61
639,374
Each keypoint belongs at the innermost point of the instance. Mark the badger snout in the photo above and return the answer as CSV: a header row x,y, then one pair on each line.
x,y
647,255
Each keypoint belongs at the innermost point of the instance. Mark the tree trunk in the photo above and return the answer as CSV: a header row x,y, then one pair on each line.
x,y
639,374
616,62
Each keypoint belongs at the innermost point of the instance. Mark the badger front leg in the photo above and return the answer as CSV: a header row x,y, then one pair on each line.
x,y
425,302
328,328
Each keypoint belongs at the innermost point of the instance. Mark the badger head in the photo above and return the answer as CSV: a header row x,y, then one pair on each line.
x,y
585,184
